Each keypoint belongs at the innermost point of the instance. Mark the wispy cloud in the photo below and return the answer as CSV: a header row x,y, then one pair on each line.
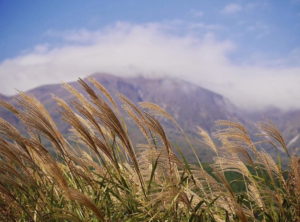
x,y
260,29
196,13
81,35
154,49
232,8
203,26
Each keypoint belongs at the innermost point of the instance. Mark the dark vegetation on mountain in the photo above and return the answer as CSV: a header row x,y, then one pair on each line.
x,y
98,172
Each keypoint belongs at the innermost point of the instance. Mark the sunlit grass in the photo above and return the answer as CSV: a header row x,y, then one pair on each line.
x,y
99,174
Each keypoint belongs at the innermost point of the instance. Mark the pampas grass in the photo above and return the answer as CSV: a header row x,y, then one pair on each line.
x,y
99,174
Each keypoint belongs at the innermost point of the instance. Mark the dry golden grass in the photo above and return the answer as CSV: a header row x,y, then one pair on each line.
x,y
99,174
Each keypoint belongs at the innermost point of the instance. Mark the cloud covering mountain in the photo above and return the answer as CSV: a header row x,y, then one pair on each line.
x,y
155,49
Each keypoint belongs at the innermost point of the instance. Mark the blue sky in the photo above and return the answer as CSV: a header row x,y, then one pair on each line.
x,y
52,41
269,29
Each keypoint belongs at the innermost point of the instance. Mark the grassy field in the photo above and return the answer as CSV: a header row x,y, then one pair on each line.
x,y
99,174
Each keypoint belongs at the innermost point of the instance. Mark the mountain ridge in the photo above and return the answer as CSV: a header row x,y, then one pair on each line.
x,y
190,104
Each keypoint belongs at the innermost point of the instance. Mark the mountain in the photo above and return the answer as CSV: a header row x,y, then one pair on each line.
x,y
190,104
288,122
3,97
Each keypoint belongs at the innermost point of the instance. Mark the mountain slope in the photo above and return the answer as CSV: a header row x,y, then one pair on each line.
x,y
3,97
288,123
190,104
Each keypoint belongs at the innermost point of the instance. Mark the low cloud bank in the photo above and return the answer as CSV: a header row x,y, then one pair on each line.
x,y
153,50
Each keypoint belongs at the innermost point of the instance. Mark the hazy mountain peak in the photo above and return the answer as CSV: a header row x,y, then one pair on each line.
x,y
190,104
3,97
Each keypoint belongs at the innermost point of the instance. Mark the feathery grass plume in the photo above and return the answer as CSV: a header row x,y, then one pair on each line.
x,y
36,117
84,201
234,164
208,188
136,115
138,121
158,110
271,167
104,91
153,165
236,206
85,161
154,125
88,114
77,123
84,102
235,133
49,165
143,120
45,177
12,153
206,139
273,136
85,108
295,174
9,107
242,153
295,184
235,138
11,133
111,121
161,112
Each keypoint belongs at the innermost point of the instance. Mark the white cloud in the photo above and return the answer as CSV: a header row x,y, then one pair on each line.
x,y
232,8
153,50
